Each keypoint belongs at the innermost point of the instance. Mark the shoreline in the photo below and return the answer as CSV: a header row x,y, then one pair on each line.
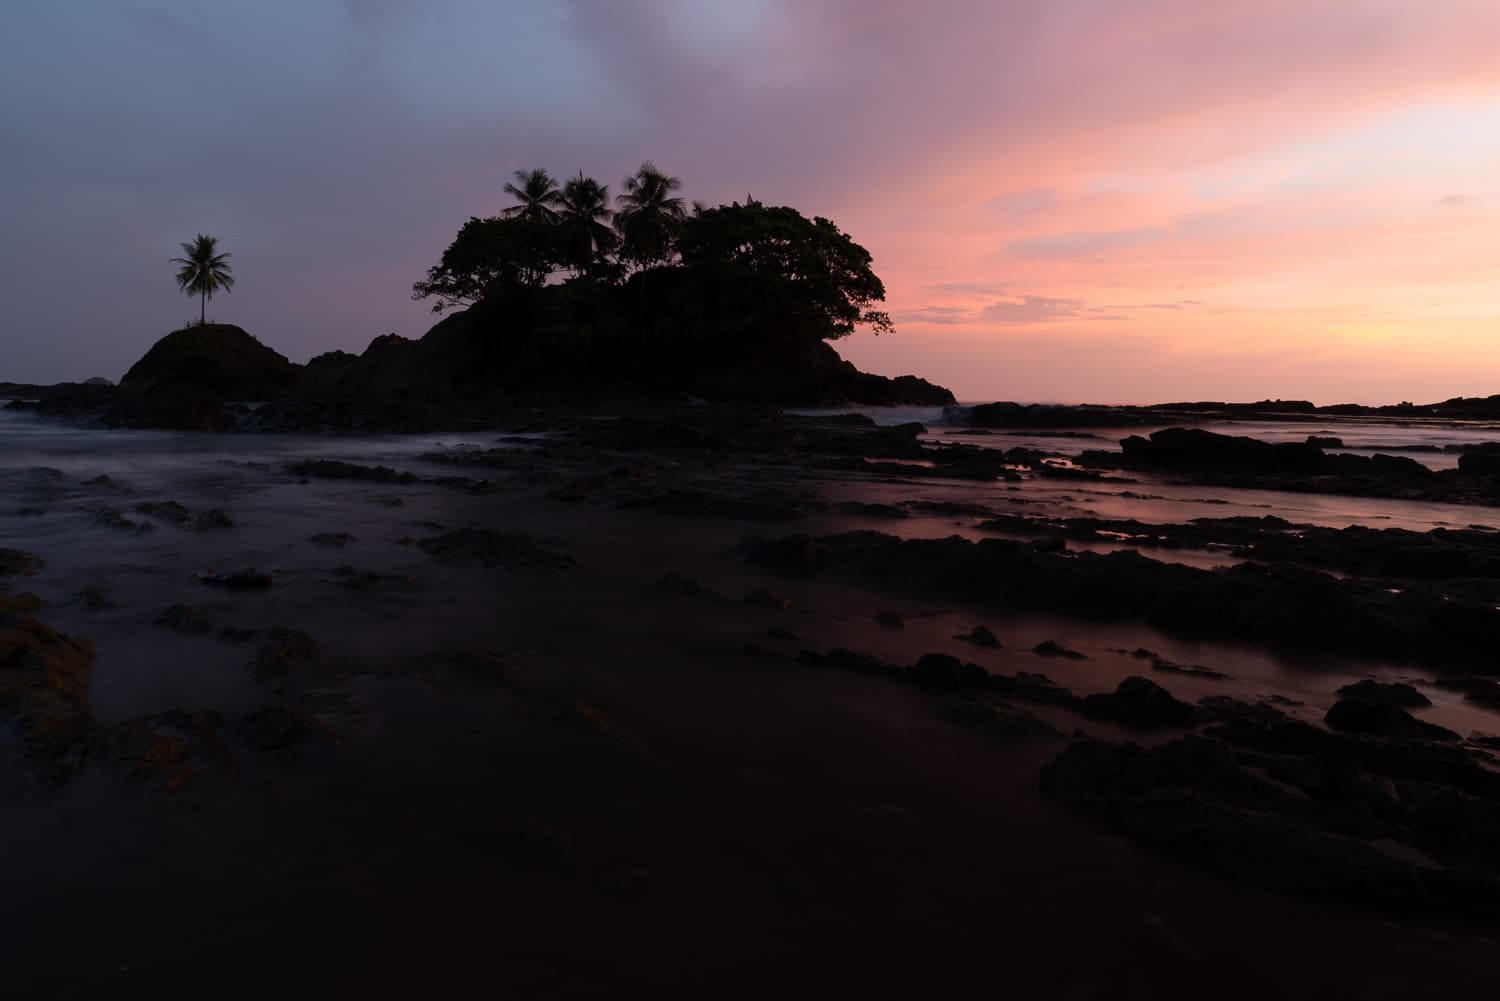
x,y
609,738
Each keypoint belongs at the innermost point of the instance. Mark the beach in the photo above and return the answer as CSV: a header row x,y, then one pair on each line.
x,y
525,710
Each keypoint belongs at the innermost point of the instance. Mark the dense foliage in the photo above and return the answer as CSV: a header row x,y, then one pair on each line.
x,y
652,275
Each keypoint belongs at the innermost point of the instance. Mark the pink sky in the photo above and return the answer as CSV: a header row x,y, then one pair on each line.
x,y
1067,199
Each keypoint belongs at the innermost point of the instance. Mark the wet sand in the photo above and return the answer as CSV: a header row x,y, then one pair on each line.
x,y
567,782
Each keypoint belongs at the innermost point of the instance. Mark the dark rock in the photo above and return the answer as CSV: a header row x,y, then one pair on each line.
x,y
1396,694
280,649
489,548
687,587
275,727
762,598
1140,702
1190,799
848,660
1224,707
100,481
166,511
1480,691
334,539
1381,719
1051,648
213,518
529,844
185,619
44,678
334,469
1031,687
1325,441
91,601
214,358
980,636
994,719
168,751
114,519
940,672
1193,670
243,580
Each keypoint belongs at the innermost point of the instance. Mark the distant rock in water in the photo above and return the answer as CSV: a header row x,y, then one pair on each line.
x,y
215,359
98,380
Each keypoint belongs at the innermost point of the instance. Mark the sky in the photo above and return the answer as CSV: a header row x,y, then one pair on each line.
x,y
1068,200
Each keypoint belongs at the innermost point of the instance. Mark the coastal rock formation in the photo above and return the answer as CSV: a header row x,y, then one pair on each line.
x,y
218,360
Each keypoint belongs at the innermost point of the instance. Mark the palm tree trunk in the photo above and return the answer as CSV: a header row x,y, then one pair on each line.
x,y
203,307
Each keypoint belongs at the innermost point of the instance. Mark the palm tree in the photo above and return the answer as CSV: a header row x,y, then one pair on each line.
x,y
649,215
584,222
204,271
538,195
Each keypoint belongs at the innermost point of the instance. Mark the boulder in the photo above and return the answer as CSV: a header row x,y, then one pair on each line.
x,y
1381,719
1140,702
219,360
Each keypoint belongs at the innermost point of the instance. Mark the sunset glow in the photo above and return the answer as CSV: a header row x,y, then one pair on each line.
x,y
1077,200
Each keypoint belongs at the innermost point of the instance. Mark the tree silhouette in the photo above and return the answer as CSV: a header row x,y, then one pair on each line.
x,y
203,272
649,216
538,195
586,236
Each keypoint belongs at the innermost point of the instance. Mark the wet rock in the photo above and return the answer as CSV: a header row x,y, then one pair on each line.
x,y
482,665
994,719
848,660
584,715
185,619
44,678
244,580
100,481
1192,670
489,548
980,636
213,518
1397,694
941,672
91,601
1051,648
869,510
762,598
25,603
334,539
166,752
1481,691
687,587
1031,687
1190,799
529,844
1140,702
1381,719
335,469
275,727
1225,707
369,580
1338,780
110,518
280,649
168,511
890,620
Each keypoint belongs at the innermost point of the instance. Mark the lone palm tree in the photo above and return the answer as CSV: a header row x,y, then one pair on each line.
x,y
585,223
204,271
538,196
649,215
